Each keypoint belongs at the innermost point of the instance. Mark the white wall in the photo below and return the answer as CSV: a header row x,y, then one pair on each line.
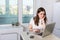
x,y
56,18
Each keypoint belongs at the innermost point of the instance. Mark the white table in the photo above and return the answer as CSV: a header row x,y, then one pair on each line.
x,y
37,37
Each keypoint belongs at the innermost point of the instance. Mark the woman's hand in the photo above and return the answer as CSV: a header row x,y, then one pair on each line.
x,y
43,18
36,30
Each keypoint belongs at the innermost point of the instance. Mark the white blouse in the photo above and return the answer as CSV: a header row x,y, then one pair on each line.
x,y
40,26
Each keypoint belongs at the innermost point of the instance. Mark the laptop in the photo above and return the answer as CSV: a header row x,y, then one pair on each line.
x,y
49,29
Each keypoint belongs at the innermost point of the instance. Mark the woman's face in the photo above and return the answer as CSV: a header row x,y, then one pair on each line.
x,y
41,14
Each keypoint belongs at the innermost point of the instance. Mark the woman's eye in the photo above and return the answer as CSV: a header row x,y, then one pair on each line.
x,y
41,14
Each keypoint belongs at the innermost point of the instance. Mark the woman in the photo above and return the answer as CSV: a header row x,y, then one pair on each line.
x,y
37,24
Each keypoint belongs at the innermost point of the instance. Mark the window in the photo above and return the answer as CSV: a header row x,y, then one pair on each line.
x,y
8,11
27,11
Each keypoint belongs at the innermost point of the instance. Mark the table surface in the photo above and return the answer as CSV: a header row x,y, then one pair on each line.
x,y
37,37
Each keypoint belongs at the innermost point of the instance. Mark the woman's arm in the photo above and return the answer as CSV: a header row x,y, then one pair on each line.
x,y
44,25
30,28
37,30
33,30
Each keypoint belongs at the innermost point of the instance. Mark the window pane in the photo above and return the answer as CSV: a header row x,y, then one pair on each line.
x,y
2,11
8,11
2,7
13,7
27,10
13,10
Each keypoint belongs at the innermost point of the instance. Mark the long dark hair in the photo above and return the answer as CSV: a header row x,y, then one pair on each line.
x,y
36,18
